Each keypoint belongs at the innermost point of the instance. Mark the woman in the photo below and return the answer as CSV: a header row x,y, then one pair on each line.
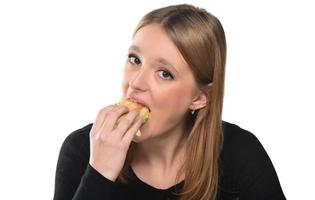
x,y
175,67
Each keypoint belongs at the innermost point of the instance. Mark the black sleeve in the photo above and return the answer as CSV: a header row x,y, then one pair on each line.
x,y
94,186
75,179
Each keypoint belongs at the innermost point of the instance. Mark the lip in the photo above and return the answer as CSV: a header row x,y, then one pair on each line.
x,y
138,100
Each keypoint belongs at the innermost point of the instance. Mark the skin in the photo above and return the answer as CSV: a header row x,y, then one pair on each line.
x,y
170,91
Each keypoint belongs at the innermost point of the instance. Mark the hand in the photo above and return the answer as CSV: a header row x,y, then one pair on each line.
x,y
109,141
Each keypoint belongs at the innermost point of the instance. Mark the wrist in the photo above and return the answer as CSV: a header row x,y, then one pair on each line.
x,y
108,174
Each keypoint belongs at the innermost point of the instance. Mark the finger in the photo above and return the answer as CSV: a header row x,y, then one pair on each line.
x,y
132,131
126,123
111,118
101,115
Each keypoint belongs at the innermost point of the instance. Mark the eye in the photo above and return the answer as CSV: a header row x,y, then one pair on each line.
x,y
133,59
165,75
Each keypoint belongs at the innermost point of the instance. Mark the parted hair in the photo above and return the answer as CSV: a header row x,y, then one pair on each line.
x,y
200,38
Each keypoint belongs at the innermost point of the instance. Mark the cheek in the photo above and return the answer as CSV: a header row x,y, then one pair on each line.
x,y
175,99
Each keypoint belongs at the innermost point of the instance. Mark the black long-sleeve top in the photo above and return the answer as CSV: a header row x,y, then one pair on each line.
x,y
246,172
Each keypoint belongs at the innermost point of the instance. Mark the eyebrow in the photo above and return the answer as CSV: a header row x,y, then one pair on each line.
x,y
134,48
165,62
159,60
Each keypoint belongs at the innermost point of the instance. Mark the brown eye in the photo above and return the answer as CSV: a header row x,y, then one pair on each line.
x,y
165,75
133,59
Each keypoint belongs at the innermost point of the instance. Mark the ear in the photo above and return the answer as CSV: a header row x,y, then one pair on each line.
x,y
201,98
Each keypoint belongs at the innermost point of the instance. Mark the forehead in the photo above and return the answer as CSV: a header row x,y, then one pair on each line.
x,y
153,43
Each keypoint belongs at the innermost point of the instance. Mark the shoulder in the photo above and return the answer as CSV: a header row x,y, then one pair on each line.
x,y
239,140
80,135
78,141
74,152
241,147
245,167
72,162
242,154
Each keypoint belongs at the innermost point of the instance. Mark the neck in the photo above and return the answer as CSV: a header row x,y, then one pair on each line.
x,y
163,152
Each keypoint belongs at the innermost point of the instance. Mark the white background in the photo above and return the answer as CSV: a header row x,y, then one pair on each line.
x,y
61,61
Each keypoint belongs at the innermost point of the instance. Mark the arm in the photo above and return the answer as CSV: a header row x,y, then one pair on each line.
x,y
94,186
75,178
91,158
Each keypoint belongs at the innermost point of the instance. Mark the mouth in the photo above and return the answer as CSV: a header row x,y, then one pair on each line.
x,y
138,101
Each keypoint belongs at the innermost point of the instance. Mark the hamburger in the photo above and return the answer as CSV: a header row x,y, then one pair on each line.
x,y
144,111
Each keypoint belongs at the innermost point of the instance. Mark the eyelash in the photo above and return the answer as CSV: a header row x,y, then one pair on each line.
x,y
133,56
168,74
161,70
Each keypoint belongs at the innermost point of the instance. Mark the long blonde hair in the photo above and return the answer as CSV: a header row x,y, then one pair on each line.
x,y
200,38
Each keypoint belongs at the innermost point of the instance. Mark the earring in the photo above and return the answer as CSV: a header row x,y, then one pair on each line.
x,y
192,112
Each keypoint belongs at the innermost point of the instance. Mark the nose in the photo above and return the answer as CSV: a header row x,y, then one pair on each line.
x,y
139,81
